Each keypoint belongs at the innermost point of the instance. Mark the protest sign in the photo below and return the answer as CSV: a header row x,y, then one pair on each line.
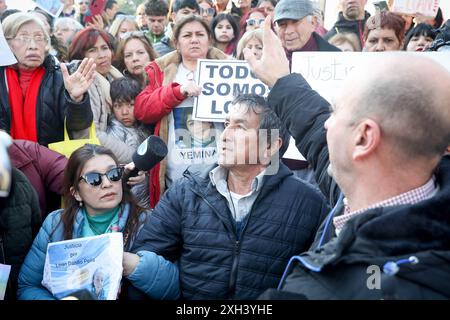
x,y
53,7
6,56
221,81
327,71
4,275
93,264
427,8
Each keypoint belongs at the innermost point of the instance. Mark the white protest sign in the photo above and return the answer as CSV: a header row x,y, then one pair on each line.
x,y
6,56
326,71
53,7
292,151
428,8
221,81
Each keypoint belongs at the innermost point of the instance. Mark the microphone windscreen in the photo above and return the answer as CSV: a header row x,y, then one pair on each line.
x,y
149,153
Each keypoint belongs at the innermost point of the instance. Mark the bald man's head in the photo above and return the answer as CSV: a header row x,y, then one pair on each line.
x,y
409,97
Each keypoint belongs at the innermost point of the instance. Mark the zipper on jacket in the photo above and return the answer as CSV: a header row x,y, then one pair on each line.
x,y
237,244
234,269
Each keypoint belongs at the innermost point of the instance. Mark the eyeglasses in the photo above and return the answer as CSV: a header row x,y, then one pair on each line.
x,y
95,179
27,39
253,22
208,12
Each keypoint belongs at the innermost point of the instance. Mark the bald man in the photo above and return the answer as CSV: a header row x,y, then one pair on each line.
x,y
382,143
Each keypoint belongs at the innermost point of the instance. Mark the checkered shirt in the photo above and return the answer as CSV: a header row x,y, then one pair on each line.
x,y
411,197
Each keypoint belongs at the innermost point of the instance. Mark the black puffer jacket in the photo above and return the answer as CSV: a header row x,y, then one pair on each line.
x,y
343,25
53,105
20,220
192,225
338,269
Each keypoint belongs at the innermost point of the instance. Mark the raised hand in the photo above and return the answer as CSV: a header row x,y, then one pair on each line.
x,y
273,64
79,82
97,22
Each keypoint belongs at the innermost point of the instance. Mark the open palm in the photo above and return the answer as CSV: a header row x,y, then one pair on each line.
x,y
78,83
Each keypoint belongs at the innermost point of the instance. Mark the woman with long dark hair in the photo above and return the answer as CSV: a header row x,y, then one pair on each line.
x,y
97,201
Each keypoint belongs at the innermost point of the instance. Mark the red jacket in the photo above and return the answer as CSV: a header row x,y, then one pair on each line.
x,y
43,167
156,100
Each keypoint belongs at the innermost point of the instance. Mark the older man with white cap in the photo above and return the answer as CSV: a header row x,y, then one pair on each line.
x,y
294,25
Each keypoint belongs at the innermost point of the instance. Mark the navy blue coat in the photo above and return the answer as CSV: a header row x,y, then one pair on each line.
x,y
193,225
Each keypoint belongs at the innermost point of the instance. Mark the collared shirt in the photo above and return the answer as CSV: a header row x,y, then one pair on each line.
x,y
239,205
424,192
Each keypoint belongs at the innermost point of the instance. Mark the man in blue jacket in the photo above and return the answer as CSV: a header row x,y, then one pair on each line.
x,y
233,227
383,144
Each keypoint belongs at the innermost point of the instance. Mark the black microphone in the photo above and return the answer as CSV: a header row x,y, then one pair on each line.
x,y
148,154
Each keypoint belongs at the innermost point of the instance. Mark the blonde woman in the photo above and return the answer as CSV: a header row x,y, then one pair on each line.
x,y
252,40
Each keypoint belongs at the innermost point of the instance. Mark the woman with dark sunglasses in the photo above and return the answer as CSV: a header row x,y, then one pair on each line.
x,y
96,201
252,20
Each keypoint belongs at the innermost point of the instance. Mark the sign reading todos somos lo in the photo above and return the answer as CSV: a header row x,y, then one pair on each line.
x,y
221,81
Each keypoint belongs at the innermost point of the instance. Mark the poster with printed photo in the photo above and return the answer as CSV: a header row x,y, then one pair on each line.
x,y
190,133
92,264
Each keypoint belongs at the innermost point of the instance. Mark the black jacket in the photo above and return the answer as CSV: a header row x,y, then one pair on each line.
x,y
53,105
339,268
192,225
343,25
20,220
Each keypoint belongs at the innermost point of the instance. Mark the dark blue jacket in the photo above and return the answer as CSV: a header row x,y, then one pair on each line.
x,y
193,225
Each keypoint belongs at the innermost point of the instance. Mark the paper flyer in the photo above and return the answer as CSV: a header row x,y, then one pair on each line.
x,y
4,275
7,58
92,264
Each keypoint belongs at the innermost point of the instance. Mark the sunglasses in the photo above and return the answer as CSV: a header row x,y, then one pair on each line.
x,y
95,179
253,22
208,11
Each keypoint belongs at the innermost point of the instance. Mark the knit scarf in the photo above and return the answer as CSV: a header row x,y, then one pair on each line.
x,y
23,108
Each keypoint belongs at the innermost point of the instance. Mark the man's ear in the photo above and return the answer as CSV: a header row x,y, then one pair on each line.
x,y
271,150
367,138
75,194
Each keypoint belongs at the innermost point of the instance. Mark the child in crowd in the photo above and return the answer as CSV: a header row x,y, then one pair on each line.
x,y
124,126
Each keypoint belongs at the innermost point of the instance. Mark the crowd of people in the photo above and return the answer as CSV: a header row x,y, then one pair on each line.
x,y
221,225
